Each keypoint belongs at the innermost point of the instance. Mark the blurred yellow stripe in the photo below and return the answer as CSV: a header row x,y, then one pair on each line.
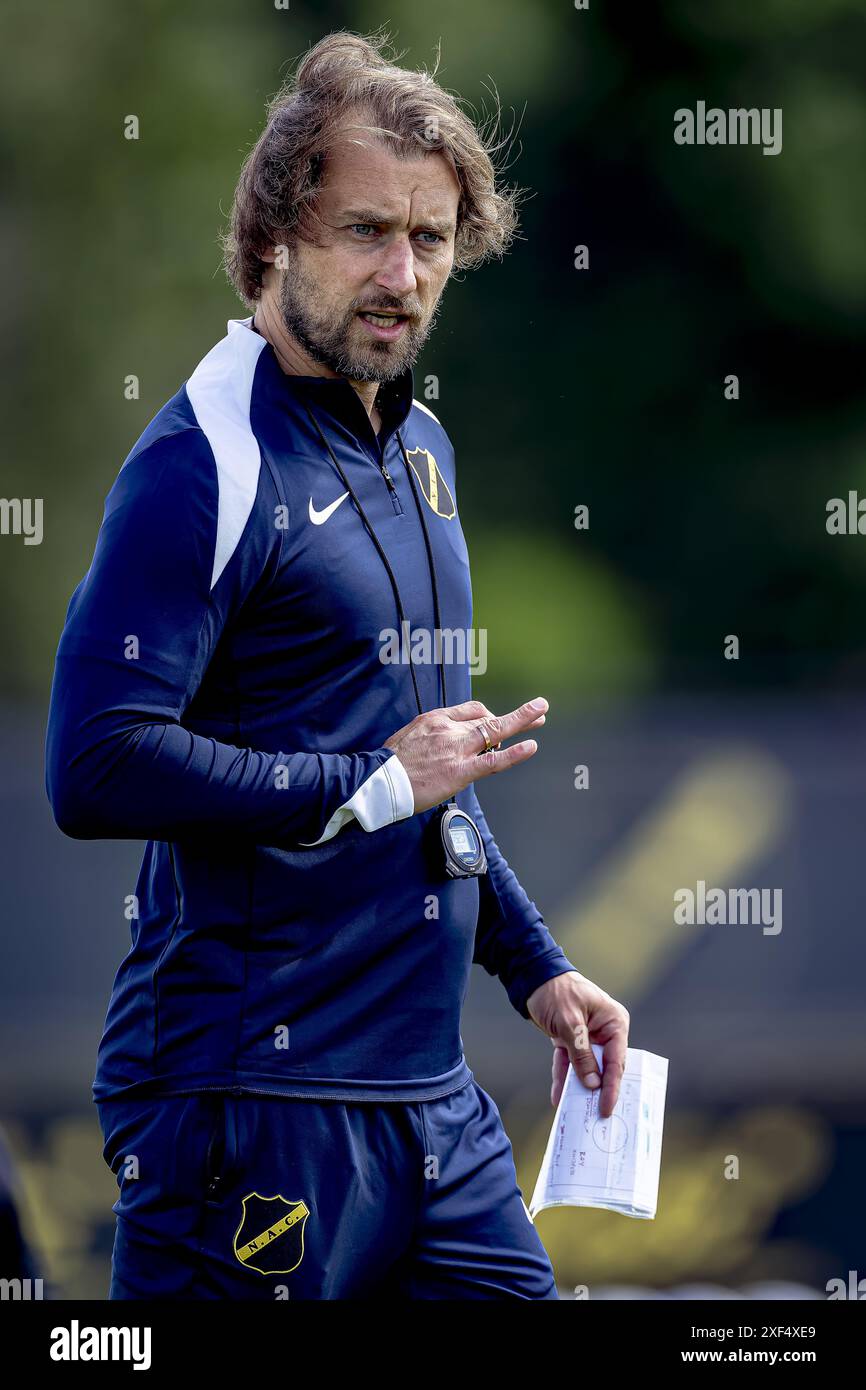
x,y
715,822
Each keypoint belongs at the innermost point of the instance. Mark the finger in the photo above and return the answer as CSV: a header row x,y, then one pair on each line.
x,y
614,1054
496,738
480,729
504,726
482,764
582,1057
559,1073
469,709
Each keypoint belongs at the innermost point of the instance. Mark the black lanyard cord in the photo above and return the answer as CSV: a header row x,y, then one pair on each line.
x,y
384,558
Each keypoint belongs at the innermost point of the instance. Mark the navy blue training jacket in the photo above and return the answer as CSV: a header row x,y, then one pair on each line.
x,y
219,693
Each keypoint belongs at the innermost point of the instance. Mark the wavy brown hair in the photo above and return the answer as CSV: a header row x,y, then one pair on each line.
x,y
276,192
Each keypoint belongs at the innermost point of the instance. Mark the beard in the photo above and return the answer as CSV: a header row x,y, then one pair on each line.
x,y
336,342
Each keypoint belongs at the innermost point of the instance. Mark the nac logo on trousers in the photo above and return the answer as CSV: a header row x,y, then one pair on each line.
x,y
270,1238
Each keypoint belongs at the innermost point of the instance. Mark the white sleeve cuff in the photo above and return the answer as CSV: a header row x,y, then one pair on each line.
x,y
404,797
384,798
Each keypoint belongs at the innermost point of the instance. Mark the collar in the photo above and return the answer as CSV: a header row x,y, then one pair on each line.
x,y
337,396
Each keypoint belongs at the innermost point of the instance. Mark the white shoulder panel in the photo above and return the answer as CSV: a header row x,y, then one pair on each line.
x,y
219,392
427,411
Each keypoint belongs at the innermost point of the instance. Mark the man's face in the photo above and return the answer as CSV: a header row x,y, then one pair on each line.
x,y
386,234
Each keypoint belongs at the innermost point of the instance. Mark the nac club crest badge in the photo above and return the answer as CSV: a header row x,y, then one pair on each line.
x,y
270,1238
437,493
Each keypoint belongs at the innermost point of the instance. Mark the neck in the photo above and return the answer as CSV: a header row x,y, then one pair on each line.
x,y
294,361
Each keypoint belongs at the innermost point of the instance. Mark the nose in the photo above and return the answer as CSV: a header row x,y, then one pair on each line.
x,y
396,272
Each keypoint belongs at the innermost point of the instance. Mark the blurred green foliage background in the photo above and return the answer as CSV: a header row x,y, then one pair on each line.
x,y
558,386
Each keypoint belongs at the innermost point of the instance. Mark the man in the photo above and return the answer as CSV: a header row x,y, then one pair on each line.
x,y
281,1082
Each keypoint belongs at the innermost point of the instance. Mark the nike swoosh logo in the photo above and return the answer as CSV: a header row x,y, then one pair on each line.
x,y
319,518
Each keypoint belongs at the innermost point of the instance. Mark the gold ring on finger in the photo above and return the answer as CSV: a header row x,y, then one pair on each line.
x,y
488,746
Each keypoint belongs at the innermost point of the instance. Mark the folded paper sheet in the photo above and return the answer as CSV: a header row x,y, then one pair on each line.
x,y
612,1163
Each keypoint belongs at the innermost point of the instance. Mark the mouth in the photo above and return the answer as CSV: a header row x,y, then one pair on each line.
x,y
383,324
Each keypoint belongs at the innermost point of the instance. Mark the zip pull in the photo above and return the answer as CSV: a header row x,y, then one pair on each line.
x,y
392,488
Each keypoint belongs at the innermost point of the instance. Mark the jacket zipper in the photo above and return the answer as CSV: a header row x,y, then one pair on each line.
x,y
391,488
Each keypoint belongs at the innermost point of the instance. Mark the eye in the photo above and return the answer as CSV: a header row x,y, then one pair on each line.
x,y
435,238
361,227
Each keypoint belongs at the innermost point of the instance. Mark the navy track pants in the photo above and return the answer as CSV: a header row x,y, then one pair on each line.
x,y
226,1196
